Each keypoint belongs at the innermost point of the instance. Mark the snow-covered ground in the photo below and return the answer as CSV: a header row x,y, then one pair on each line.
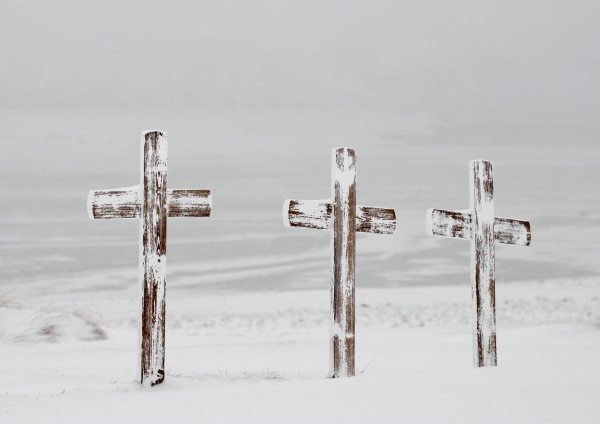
x,y
263,357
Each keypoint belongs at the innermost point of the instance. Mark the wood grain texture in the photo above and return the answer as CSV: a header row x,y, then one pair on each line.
x,y
458,224
317,214
125,203
343,241
512,231
153,257
375,220
189,203
448,223
115,203
483,260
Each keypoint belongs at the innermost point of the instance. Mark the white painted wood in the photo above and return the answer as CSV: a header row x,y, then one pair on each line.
x,y
115,203
189,203
512,231
449,223
375,220
307,214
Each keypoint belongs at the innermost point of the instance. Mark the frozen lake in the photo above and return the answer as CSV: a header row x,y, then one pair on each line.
x,y
252,161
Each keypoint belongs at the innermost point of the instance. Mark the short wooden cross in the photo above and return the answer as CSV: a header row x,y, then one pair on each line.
x,y
341,215
153,203
480,225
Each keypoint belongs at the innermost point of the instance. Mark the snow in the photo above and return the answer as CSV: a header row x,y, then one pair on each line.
x,y
263,357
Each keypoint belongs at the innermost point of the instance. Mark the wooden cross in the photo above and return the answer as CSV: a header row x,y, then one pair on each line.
x,y
341,215
480,225
153,203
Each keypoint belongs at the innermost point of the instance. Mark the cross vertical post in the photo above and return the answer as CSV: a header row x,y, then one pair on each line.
x,y
153,234
483,229
152,202
343,240
344,219
483,259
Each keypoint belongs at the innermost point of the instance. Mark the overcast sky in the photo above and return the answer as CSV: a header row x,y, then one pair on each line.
x,y
507,60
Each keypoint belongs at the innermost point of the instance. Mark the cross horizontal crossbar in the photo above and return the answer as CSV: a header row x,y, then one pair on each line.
x,y
317,214
126,203
458,224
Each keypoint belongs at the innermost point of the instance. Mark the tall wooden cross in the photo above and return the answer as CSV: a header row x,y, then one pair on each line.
x,y
153,203
344,218
480,226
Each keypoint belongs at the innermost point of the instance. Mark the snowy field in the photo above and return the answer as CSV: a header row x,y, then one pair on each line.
x,y
263,357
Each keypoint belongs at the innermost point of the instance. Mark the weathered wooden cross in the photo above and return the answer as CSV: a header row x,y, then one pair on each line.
x,y
341,215
153,203
480,225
